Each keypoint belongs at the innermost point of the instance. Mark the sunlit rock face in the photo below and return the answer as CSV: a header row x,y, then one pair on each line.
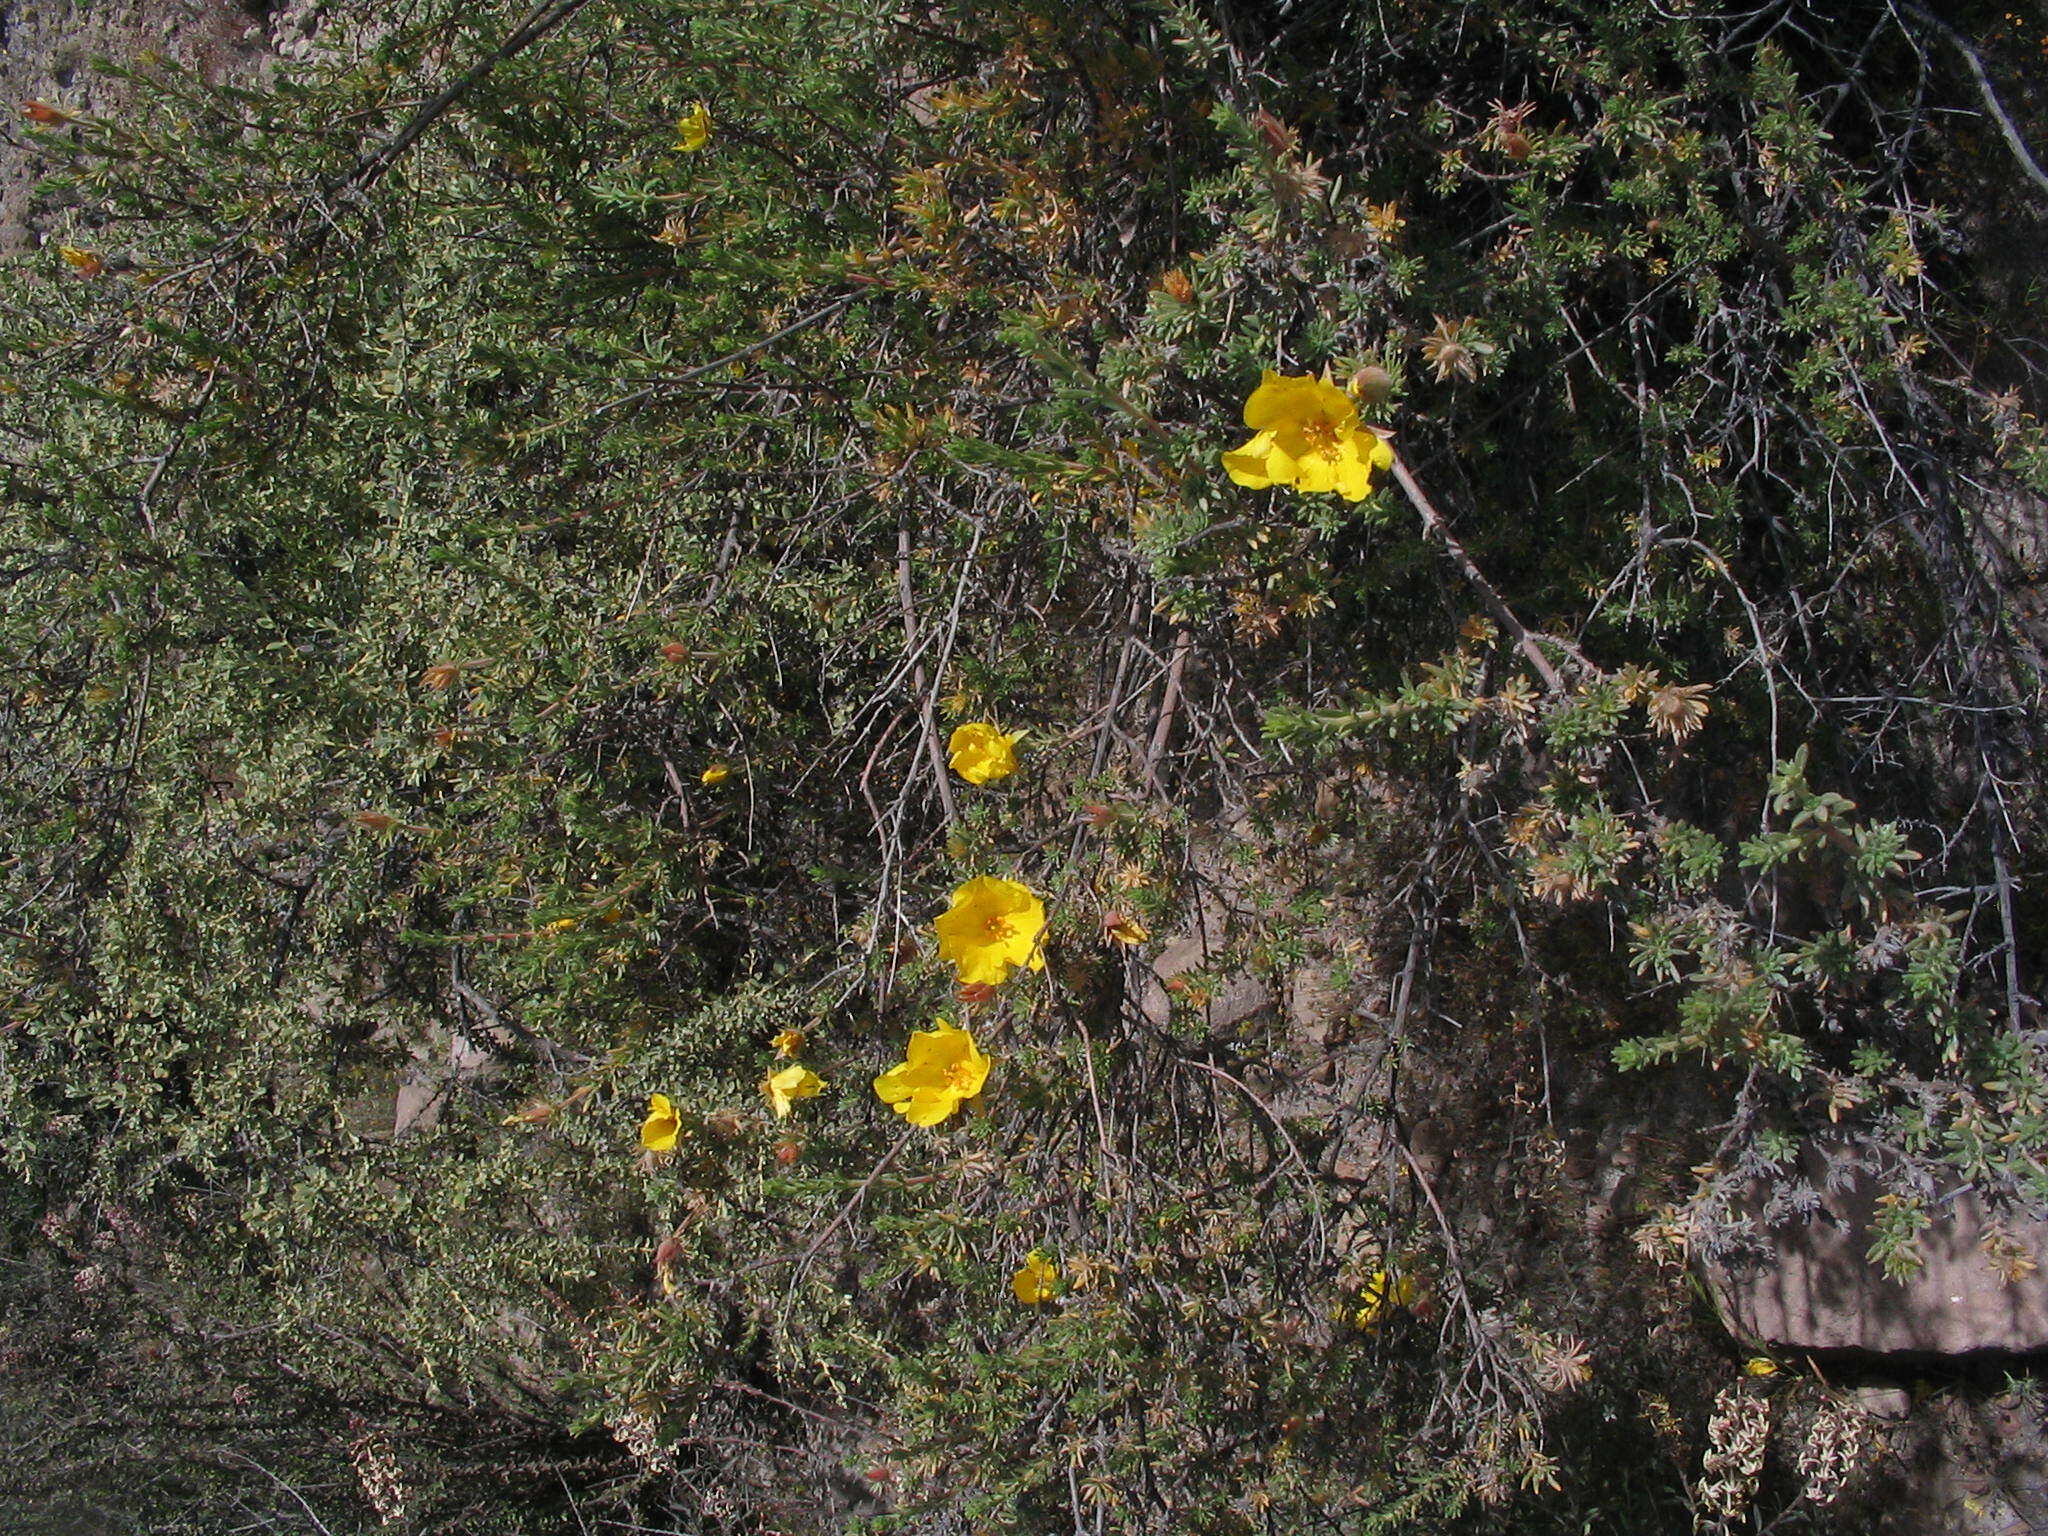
x,y
1981,1290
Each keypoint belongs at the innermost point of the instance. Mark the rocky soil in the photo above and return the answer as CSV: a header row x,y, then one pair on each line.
x,y
48,49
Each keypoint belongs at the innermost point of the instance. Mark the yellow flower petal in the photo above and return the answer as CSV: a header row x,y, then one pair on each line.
x,y
1318,473
790,1084
1260,463
1291,401
717,773
942,1069
981,754
993,927
788,1043
1380,1294
1037,1281
661,1128
1354,474
928,1106
693,129
1308,436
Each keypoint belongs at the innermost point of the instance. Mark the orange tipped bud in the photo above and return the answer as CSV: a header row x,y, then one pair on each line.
x,y
43,113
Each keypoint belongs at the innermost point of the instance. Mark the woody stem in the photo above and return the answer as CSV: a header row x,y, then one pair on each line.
x,y
1434,525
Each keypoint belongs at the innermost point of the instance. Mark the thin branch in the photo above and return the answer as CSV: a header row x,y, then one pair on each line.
x,y
1169,707
1985,89
1434,525
927,716
539,21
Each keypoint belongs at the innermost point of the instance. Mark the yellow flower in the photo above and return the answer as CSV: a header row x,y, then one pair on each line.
x,y
941,1070
1035,1283
693,128
788,1042
717,773
993,927
84,263
658,1132
1307,436
1124,929
1380,1294
1760,1365
981,753
784,1088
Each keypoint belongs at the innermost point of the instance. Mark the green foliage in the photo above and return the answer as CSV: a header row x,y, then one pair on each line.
x,y
443,468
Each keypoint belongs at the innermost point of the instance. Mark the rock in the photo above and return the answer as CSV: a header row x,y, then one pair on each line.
x,y
1816,1290
424,1087
1888,1403
1226,1000
47,54
1313,1002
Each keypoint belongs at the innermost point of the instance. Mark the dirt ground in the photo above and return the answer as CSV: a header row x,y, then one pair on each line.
x,y
47,53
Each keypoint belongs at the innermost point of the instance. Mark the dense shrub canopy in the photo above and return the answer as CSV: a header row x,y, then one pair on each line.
x,y
425,470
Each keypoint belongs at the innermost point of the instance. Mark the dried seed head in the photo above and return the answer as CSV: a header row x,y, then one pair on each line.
x,y
1280,139
1678,709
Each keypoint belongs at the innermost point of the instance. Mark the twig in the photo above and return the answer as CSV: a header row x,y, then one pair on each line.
x,y
926,715
1266,1109
318,1524
1985,89
538,22
804,1260
1169,706
670,381
1434,525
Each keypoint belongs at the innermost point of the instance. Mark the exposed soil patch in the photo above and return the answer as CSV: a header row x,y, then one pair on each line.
x,y
47,49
